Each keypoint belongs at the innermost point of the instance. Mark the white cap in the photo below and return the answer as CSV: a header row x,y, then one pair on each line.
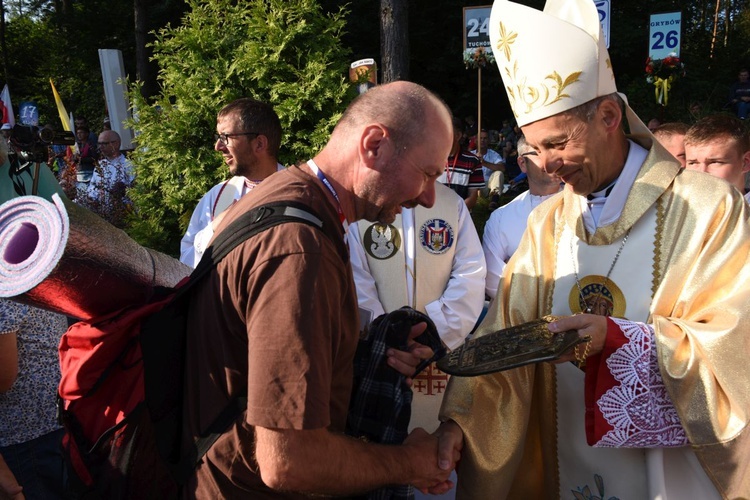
x,y
552,60
6,126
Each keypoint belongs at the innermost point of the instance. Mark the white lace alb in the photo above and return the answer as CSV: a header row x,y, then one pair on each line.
x,y
639,409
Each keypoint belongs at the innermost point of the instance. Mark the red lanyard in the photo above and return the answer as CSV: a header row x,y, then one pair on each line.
x,y
449,169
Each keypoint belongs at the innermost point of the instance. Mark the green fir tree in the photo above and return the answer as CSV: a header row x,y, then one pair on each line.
x,y
284,52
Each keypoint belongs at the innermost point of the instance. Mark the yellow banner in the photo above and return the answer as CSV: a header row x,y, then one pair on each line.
x,y
61,108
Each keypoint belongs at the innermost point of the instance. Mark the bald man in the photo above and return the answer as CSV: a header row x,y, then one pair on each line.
x,y
105,193
276,320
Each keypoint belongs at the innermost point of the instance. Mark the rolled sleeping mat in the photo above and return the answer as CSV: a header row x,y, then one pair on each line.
x,y
64,258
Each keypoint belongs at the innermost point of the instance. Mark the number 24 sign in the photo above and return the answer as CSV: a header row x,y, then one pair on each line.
x,y
476,24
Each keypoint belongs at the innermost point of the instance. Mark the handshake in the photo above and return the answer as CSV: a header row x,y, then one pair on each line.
x,y
394,349
434,457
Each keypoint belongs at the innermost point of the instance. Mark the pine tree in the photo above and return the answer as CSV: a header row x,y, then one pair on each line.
x,y
284,52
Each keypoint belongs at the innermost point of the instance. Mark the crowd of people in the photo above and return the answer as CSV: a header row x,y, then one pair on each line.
x,y
635,238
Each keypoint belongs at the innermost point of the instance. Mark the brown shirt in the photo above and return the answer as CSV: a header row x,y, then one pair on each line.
x,y
277,320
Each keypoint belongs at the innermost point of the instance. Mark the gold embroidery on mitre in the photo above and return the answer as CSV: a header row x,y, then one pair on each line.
x,y
506,40
611,71
546,93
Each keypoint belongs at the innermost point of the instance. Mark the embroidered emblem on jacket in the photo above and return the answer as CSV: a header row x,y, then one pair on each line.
x,y
381,241
436,236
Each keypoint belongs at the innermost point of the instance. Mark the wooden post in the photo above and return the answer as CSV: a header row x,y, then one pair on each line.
x,y
479,112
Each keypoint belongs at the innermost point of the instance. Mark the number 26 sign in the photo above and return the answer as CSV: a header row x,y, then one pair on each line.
x,y
664,35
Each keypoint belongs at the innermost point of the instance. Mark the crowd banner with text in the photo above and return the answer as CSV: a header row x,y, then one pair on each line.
x,y
29,113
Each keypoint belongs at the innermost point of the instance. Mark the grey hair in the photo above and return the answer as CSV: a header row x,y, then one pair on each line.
x,y
523,147
586,111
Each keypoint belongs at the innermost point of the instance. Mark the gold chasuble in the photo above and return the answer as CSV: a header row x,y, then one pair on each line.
x,y
433,246
683,268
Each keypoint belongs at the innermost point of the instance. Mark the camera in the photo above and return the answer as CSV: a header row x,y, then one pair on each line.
x,y
31,142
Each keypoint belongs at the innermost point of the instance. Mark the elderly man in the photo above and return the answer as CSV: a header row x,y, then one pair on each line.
x,y
647,261
114,168
506,225
277,320
248,135
719,145
105,193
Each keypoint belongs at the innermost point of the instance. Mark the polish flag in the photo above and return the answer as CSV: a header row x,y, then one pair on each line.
x,y
7,107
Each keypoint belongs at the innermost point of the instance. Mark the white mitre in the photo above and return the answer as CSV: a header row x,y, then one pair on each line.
x,y
553,60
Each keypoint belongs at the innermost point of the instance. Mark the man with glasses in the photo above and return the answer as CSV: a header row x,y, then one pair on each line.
x,y
506,225
248,135
645,261
113,174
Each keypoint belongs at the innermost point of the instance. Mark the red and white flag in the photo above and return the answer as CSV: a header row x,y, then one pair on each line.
x,y
8,115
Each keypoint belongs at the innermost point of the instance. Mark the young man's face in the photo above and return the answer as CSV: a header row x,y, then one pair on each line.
x,y
238,151
720,157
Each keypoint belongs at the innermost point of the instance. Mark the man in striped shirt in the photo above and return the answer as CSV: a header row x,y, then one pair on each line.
x,y
463,170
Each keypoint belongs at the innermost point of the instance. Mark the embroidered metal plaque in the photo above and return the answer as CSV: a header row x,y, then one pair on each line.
x,y
512,347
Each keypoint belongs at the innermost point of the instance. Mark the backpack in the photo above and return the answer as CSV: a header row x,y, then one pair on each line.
x,y
121,391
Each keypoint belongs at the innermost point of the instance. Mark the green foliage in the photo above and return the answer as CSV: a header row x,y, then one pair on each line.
x,y
44,44
286,53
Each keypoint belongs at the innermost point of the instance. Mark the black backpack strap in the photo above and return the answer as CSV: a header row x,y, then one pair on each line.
x,y
189,461
246,225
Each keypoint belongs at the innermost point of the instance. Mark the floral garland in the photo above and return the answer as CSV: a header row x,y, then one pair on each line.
x,y
478,57
662,73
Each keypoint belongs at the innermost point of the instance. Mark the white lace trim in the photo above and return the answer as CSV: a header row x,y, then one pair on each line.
x,y
639,408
